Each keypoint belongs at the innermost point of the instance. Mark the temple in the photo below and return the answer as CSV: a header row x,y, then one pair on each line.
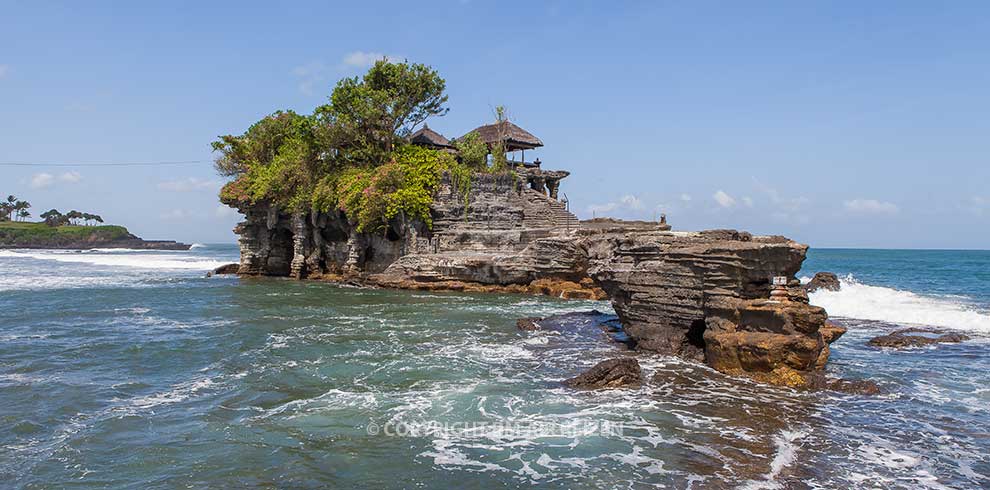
x,y
513,139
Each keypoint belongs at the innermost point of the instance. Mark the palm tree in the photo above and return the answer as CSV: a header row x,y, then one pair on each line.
x,y
21,207
8,207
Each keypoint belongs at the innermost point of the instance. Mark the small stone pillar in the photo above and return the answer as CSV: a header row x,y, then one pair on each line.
x,y
553,185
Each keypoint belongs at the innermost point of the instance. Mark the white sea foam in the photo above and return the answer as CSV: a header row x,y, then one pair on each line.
x,y
865,302
133,260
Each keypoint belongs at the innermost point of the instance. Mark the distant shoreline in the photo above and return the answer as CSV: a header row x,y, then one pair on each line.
x,y
29,235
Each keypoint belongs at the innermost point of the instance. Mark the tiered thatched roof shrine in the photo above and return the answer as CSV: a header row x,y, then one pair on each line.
x,y
513,138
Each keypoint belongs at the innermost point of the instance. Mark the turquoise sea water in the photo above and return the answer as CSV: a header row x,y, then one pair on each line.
x,y
124,369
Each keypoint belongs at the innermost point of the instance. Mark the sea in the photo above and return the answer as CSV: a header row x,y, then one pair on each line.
x,y
126,369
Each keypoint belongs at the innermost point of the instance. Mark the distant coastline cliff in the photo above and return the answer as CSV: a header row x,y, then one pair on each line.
x,y
40,235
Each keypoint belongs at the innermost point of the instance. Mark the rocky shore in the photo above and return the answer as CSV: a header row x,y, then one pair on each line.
x,y
704,296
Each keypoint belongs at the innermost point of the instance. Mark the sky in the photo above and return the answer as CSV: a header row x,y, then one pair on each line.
x,y
838,124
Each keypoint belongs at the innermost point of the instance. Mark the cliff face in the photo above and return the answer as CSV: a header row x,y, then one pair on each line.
x,y
706,296
703,296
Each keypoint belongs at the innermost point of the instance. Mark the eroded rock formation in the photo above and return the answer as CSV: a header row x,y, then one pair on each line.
x,y
703,295
623,372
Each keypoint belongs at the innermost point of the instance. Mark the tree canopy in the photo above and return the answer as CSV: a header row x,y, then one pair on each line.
x,y
351,154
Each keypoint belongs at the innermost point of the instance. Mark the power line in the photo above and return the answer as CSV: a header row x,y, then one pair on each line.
x,y
118,164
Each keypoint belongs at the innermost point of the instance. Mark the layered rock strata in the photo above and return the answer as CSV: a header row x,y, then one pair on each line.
x,y
703,296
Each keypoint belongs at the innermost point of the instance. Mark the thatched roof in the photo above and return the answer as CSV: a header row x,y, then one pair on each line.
x,y
428,137
515,138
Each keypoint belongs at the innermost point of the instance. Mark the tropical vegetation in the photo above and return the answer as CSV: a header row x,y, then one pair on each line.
x,y
352,154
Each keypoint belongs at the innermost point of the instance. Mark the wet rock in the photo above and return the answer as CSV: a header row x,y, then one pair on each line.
x,y
831,332
614,373
823,280
916,337
850,386
226,269
528,324
705,297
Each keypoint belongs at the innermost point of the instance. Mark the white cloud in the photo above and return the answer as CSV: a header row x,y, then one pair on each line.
x,y
632,202
70,177
175,215
223,211
748,201
686,197
627,202
870,206
4,70
42,180
188,184
310,75
723,199
362,59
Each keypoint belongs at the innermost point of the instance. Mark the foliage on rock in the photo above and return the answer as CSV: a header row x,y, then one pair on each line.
x,y
351,155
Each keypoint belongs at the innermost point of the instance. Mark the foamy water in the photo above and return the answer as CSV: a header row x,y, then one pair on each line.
x,y
126,376
863,301
120,258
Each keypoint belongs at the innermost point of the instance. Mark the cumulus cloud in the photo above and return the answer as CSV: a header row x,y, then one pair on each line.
x,y
4,69
45,179
313,75
70,177
627,202
364,59
310,75
870,206
42,180
723,199
188,184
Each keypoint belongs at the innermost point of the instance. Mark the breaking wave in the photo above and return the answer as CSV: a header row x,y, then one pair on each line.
x,y
866,302
133,259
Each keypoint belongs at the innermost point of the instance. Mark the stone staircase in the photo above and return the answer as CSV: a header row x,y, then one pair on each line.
x,y
541,211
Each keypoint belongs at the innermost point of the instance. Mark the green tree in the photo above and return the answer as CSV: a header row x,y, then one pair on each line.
x,y
53,217
7,207
21,209
367,116
472,151
72,216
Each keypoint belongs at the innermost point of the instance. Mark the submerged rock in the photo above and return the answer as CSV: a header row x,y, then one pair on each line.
x,y
528,324
823,280
622,372
224,269
916,337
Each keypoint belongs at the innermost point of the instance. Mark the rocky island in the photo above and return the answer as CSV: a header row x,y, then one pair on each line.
x,y
352,194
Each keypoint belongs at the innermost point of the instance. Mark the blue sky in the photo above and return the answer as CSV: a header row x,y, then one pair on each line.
x,y
834,123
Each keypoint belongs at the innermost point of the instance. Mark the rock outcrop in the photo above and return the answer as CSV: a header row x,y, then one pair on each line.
x,y
916,337
700,295
623,372
705,296
823,280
